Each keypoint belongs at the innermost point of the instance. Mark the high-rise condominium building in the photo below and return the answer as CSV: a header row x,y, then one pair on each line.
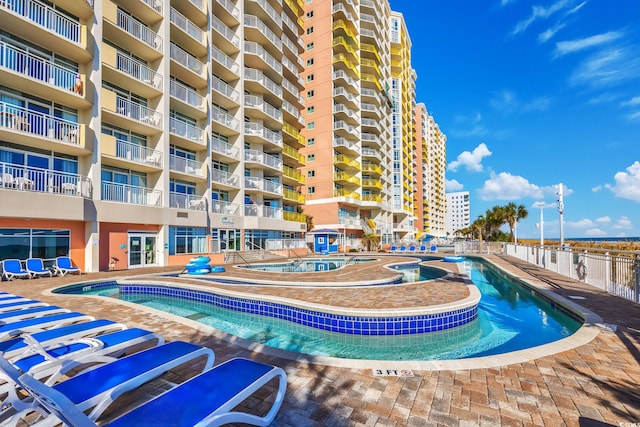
x,y
429,195
141,132
458,212
359,93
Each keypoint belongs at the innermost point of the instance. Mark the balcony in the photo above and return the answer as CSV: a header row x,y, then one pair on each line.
x,y
186,166
252,76
130,73
294,216
291,176
255,156
256,30
223,65
192,103
187,201
293,114
21,125
371,168
192,136
346,178
224,179
122,30
347,162
230,97
130,115
228,12
263,211
294,138
48,27
341,192
190,35
372,183
258,133
131,194
293,92
345,146
225,208
256,57
266,111
253,183
229,42
342,128
225,149
293,154
19,177
187,67
196,11
224,122
293,196
123,154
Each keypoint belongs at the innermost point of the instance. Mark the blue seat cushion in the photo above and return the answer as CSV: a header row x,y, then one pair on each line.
x,y
39,320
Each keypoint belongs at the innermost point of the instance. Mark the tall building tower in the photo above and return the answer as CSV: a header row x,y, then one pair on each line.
x,y
354,69
146,131
458,212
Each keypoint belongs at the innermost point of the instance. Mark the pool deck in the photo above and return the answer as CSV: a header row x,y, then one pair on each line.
x,y
596,383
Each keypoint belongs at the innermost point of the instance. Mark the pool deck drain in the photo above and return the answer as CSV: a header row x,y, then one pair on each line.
x,y
595,383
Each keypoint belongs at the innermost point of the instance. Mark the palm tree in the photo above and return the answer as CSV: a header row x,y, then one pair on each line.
x,y
513,214
479,224
370,241
494,218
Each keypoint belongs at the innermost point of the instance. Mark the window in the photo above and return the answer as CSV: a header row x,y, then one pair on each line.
x,y
311,190
310,45
311,125
311,141
309,30
310,77
23,243
309,62
311,157
310,93
310,14
311,174
187,240
311,109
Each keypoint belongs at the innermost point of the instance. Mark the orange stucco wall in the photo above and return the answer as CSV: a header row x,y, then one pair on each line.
x,y
76,228
112,237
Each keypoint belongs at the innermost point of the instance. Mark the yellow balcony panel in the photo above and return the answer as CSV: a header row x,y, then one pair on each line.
x,y
292,176
294,216
70,39
341,159
342,192
292,153
372,183
344,26
372,198
293,196
295,134
344,177
372,168
341,57
370,78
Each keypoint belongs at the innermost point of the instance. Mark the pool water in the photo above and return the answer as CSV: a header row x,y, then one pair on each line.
x,y
510,317
306,265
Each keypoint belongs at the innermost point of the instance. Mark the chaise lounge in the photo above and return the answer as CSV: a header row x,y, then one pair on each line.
x,y
63,266
35,268
12,268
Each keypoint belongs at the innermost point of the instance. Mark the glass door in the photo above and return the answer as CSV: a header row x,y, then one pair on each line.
x,y
228,240
142,250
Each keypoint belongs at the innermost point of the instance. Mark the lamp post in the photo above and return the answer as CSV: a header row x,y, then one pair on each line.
x,y
541,205
561,212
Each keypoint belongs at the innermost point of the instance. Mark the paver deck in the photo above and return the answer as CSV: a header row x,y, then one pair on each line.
x,y
594,384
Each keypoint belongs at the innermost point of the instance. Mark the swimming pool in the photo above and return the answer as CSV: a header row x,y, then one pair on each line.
x,y
510,317
305,265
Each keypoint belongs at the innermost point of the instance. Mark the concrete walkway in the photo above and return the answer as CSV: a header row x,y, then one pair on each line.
x,y
595,384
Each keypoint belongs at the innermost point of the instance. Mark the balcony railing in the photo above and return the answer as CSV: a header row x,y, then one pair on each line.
x,y
226,32
225,60
184,58
138,70
16,59
265,107
262,158
224,88
154,4
26,178
187,26
184,165
187,131
131,194
262,211
186,95
258,76
34,123
259,130
224,118
256,49
187,201
138,112
138,153
257,183
46,17
225,208
139,31
254,21
225,178
223,147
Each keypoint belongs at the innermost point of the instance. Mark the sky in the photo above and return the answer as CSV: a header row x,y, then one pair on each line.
x,y
531,95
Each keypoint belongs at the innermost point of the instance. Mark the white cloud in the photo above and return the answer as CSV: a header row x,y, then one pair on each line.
x,y
623,223
596,188
603,220
507,103
583,223
472,161
539,12
634,116
631,103
607,67
544,36
577,8
627,184
504,186
453,185
595,232
563,48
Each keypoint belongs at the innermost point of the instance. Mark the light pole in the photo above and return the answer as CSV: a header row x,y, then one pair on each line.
x,y
541,224
561,212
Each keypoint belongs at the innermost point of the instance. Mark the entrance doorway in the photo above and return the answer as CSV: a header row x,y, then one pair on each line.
x,y
228,240
142,250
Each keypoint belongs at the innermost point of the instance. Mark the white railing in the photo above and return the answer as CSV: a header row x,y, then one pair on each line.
x,y
138,112
262,211
138,153
46,17
224,118
187,131
186,95
225,208
184,165
223,147
34,123
225,178
617,272
225,60
187,201
226,32
26,178
154,4
138,70
230,7
139,30
258,76
258,50
259,130
280,244
262,158
257,183
261,104
270,11
16,59
224,88
254,21
197,3
184,58
131,194
185,25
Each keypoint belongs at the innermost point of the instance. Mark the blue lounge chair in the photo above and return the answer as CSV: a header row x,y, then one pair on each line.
x,y
225,387
412,248
35,267
20,304
37,324
393,249
402,249
12,268
97,388
16,346
63,266
422,249
28,313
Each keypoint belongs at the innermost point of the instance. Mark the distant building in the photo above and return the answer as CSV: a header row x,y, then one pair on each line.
x,y
458,216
